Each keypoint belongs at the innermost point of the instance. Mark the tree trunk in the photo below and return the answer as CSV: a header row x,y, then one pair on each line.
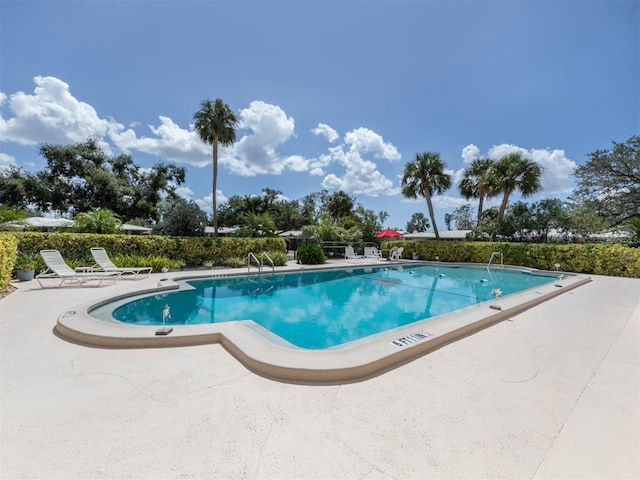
x,y
480,205
427,196
214,188
503,206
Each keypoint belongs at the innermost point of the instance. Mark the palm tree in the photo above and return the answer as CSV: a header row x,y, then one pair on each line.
x,y
215,124
473,184
98,220
510,173
424,177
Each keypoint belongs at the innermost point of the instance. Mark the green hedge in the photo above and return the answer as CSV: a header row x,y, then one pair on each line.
x,y
8,255
190,251
598,259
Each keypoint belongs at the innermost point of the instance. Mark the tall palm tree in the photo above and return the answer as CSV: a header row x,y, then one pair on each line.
x,y
425,177
513,172
473,184
215,124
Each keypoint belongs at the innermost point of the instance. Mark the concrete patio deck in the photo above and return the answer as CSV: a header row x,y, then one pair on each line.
x,y
553,392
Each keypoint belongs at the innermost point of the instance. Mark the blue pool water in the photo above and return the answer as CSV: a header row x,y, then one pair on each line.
x,y
322,309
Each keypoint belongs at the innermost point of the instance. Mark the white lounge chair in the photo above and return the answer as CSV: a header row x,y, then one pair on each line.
x,y
106,265
351,255
396,253
58,269
372,253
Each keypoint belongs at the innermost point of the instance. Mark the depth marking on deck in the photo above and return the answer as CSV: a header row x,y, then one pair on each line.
x,y
411,339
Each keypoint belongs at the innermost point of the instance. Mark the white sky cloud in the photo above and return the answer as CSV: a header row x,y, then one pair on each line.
x,y
206,202
51,115
170,142
557,168
470,153
363,141
7,161
361,175
257,151
327,132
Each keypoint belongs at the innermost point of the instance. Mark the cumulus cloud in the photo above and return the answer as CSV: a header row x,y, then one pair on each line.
x,y
170,142
327,132
257,151
470,153
206,202
51,114
361,176
557,177
7,161
185,192
363,141
557,168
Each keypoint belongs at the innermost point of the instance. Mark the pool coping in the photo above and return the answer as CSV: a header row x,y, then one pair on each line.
x,y
351,362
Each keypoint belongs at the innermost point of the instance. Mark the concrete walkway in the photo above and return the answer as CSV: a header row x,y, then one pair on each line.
x,y
553,392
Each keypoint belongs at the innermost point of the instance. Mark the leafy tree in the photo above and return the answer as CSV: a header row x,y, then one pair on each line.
x,y
418,223
180,217
583,221
425,177
364,221
547,215
487,228
98,220
81,176
271,200
511,173
632,227
517,222
252,204
310,208
288,216
151,187
215,124
474,182
609,183
19,189
230,212
78,179
256,225
462,217
338,205
11,215
525,222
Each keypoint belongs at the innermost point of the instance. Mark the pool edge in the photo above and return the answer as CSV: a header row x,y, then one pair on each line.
x,y
334,366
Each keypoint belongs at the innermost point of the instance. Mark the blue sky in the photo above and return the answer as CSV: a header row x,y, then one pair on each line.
x,y
331,94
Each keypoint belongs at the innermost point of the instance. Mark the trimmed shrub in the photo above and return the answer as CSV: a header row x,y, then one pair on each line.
x,y
189,251
598,259
310,255
8,255
235,262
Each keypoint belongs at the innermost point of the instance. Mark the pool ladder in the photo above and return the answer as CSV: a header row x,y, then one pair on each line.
x,y
258,263
496,255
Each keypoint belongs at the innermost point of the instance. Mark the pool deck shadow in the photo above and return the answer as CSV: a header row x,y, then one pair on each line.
x,y
549,392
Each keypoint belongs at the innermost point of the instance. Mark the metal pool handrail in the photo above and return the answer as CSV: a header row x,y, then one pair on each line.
x,y
249,257
273,268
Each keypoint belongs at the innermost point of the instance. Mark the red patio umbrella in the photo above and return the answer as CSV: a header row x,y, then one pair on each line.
x,y
388,233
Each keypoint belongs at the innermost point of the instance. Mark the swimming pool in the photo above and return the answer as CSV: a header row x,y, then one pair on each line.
x,y
326,309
